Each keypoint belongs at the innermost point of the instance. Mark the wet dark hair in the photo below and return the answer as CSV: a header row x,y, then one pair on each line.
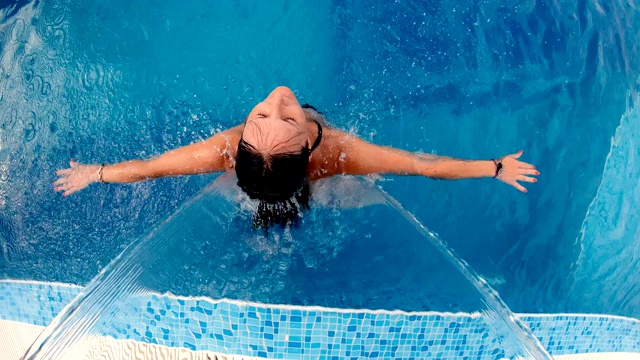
x,y
279,183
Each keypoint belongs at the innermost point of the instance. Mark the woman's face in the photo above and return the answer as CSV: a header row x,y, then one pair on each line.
x,y
277,125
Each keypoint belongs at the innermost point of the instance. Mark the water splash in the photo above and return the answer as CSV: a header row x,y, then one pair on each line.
x,y
136,269
170,255
610,233
497,310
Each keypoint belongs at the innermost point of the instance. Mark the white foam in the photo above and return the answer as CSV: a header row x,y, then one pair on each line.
x,y
607,265
43,283
600,356
274,306
329,309
598,316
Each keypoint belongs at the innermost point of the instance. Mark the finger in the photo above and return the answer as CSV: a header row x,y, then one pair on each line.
x,y
69,192
517,155
525,171
526,179
64,187
61,181
524,165
63,172
519,187
72,163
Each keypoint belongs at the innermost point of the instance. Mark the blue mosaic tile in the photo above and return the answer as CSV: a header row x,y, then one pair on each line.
x,y
574,334
34,303
283,332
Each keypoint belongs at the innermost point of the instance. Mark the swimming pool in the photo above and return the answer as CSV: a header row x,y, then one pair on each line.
x,y
112,81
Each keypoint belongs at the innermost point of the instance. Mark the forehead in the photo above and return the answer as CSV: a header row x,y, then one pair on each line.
x,y
272,127
274,136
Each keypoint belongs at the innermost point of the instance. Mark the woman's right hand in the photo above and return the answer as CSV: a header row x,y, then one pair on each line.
x,y
76,178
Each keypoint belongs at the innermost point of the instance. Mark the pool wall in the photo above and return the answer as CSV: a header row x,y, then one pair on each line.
x,y
283,331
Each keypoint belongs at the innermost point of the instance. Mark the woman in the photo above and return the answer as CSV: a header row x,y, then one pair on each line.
x,y
280,148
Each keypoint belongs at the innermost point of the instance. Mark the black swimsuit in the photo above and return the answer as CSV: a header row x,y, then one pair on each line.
x,y
319,138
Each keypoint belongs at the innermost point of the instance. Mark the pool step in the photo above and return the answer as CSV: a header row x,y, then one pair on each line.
x,y
15,338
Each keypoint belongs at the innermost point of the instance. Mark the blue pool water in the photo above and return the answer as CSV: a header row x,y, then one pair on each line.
x,y
110,81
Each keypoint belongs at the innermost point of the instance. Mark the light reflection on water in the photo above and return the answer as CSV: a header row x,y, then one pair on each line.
x,y
119,80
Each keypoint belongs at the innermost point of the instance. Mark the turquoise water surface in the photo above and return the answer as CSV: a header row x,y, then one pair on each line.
x,y
117,80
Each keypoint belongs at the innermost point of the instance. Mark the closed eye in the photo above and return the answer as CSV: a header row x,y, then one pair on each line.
x,y
287,119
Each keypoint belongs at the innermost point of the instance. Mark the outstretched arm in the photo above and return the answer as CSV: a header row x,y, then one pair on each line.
x,y
359,157
210,155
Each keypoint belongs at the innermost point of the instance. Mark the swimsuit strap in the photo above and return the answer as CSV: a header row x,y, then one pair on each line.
x,y
307,106
319,138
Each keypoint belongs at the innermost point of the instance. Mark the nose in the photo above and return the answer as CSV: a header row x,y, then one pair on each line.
x,y
282,89
277,102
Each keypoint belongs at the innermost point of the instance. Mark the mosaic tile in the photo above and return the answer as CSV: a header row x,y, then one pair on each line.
x,y
38,303
285,332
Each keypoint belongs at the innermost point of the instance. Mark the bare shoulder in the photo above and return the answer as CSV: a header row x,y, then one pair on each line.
x,y
326,159
335,140
226,142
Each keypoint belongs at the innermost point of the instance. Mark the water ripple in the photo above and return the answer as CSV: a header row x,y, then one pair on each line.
x,y
18,31
92,76
30,126
10,120
120,80
55,15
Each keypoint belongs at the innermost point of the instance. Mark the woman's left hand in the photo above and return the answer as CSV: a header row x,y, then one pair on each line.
x,y
514,170
76,178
